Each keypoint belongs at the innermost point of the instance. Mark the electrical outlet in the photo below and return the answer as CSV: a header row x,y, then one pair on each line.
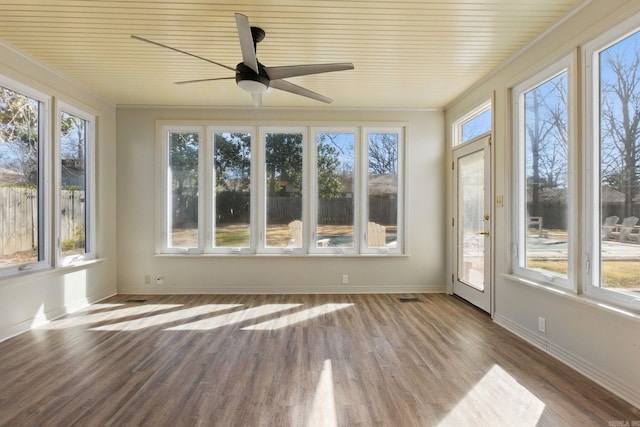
x,y
345,279
147,279
542,324
159,280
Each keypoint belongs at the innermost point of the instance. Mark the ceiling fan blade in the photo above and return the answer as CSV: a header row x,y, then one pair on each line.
x,y
298,90
203,80
247,46
257,99
276,73
181,51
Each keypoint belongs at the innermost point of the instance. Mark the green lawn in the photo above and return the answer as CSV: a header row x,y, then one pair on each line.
x,y
615,273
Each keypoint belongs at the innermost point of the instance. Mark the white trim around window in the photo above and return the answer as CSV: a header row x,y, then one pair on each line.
x,y
266,229
393,192
248,244
287,195
529,233
191,239
348,144
473,116
87,203
594,237
44,196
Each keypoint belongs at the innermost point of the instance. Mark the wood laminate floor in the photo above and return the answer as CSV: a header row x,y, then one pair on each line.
x,y
290,360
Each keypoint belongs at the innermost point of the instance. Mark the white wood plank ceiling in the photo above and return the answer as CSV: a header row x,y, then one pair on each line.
x,y
407,54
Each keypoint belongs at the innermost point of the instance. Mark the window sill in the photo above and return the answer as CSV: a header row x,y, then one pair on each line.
x,y
578,298
31,275
283,255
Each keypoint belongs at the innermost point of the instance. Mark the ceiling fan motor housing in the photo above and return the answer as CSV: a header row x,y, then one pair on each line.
x,y
250,81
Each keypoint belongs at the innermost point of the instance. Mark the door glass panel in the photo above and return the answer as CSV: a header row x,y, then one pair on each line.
x,y
471,199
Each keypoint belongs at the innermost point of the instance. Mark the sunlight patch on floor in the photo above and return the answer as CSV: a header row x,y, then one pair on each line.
x,y
496,400
80,319
294,318
323,411
161,319
100,306
232,318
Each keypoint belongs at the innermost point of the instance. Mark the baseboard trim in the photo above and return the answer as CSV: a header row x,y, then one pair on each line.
x,y
276,289
614,385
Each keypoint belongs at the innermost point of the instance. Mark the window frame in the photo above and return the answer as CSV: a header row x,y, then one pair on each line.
x,y
591,265
90,184
357,150
258,197
261,246
164,188
45,187
519,211
468,117
364,190
210,207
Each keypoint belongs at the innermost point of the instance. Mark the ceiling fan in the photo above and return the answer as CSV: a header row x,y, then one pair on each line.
x,y
255,78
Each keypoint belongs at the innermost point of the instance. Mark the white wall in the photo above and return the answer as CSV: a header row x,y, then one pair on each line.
x,y
421,271
33,298
599,342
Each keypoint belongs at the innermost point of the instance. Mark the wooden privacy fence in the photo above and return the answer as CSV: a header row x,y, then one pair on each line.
x,y
19,217
554,214
283,209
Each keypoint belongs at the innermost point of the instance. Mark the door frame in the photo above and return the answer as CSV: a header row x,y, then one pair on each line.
x,y
482,299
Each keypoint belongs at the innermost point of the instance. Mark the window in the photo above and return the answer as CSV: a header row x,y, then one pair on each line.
x,y
383,163
283,183
613,165
182,159
75,195
271,189
24,229
543,185
335,189
232,195
474,124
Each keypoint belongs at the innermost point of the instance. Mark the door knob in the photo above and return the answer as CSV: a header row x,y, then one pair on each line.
x,y
484,233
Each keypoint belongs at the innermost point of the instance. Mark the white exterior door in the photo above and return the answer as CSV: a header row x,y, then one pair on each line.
x,y
472,222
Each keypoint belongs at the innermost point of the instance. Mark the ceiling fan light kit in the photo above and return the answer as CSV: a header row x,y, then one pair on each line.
x,y
250,81
253,77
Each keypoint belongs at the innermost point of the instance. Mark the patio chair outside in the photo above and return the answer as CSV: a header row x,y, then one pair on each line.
x,y
609,226
376,235
625,229
536,222
295,228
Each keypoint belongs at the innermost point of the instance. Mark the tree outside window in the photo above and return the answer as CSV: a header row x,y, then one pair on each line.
x,y
232,162
546,176
73,184
183,165
619,94
383,155
21,196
